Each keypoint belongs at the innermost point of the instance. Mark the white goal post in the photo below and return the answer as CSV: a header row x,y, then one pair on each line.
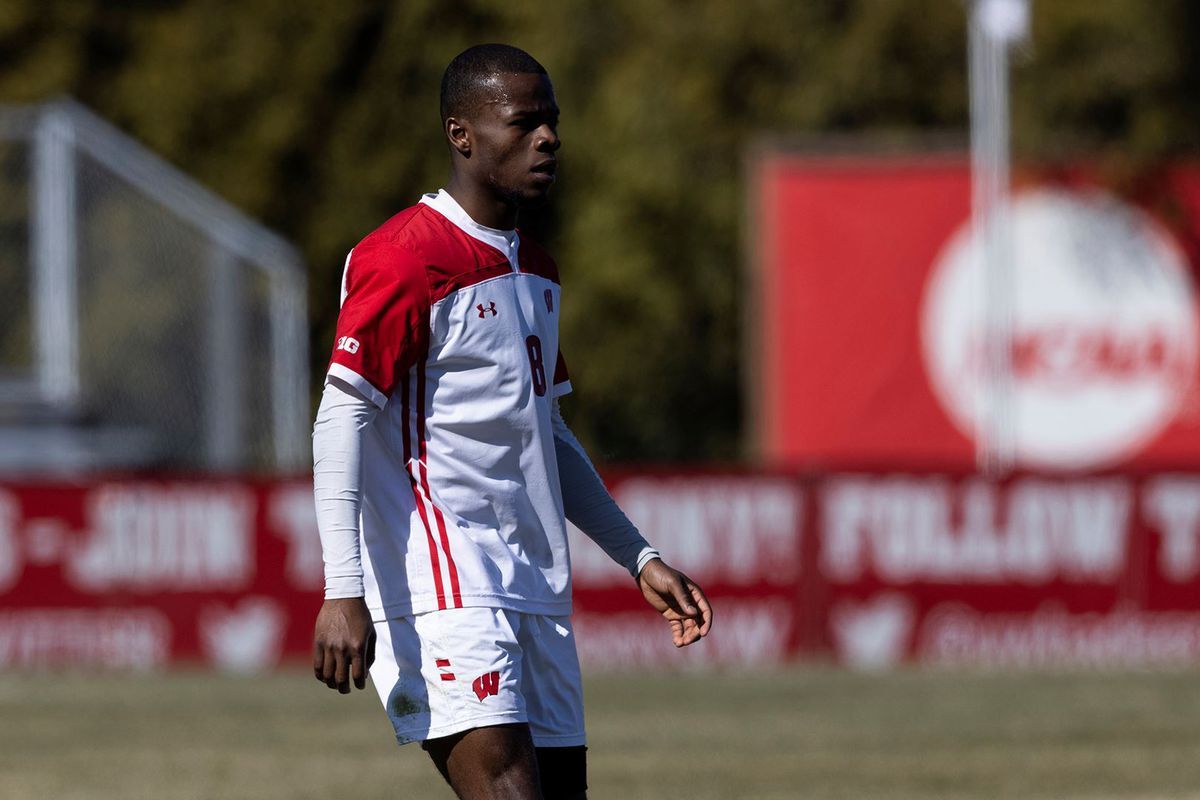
x,y
154,325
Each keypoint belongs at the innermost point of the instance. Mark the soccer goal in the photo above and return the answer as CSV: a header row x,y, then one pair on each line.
x,y
147,324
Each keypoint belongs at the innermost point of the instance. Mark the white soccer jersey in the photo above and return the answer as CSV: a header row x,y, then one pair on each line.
x,y
451,329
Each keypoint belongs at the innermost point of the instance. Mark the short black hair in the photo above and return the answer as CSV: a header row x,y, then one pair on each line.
x,y
470,69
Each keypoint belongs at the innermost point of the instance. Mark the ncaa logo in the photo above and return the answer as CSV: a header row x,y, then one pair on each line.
x,y
347,343
1103,335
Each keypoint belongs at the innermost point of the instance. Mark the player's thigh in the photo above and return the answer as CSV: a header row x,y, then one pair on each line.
x,y
501,762
497,762
447,672
398,678
551,684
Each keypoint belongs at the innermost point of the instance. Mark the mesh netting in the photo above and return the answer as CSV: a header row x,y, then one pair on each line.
x,y
188,339
16,337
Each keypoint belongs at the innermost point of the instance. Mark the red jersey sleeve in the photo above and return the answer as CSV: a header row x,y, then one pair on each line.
x,y
385,304
562,381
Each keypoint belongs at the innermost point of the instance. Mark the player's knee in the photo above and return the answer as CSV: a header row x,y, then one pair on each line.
x,y
563,772
507,768
492,762
505,755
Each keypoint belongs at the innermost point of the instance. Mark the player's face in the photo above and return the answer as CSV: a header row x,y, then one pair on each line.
x,y
515,137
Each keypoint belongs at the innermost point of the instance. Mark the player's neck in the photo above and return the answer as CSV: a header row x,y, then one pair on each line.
x,y
482,207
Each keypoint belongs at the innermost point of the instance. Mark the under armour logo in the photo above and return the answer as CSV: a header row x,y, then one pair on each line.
x,y
486,684
490,308
550,301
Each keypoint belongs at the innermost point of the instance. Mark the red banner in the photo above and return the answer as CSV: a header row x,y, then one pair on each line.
x,y
138,574
1030,572
871,318
874,568
739,536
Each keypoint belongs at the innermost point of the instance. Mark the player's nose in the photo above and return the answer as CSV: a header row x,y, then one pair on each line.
x,y
548,140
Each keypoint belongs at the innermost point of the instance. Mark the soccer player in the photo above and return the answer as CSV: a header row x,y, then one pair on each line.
x,y
443,468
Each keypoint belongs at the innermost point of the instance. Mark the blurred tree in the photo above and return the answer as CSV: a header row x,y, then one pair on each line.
x,y
320,118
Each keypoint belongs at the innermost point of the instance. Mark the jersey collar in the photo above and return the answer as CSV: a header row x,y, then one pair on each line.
x,y
507,242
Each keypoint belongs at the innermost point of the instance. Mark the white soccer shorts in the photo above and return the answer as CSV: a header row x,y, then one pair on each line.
x,y
448,671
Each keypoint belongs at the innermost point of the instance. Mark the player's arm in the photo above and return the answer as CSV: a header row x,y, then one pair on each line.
x,y
344,638
592,509
384,302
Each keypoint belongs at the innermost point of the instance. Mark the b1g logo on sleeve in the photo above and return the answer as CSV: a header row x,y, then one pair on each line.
x,y
347,343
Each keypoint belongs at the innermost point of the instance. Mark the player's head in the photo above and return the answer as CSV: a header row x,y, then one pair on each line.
x,y
501,119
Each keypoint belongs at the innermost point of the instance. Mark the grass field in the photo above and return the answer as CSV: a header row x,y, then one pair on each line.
x,y
798,734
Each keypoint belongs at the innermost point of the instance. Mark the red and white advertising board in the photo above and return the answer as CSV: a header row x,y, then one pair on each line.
x,y
871,568
1030,572
869,317
145,573
141,573
740,536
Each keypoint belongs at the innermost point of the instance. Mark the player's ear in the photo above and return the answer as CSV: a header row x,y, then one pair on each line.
x,y
459,136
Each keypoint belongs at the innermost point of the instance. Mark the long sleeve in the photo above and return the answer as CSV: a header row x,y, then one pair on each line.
x,y
337,484
589,505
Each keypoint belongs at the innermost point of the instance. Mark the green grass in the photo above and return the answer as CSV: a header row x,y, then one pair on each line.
x,y
804,733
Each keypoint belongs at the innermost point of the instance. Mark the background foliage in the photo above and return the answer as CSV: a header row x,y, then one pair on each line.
x,y
319,118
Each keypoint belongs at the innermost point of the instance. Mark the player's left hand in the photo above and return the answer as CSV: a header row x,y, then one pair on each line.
x,y
681,602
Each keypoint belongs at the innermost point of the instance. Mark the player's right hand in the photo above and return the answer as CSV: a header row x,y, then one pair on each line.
x,y
343,644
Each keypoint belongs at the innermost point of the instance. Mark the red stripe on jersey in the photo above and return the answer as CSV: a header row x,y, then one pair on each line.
x,y
442,662
448,285
437,512
434,561
536,261
447,676
454,259
441,523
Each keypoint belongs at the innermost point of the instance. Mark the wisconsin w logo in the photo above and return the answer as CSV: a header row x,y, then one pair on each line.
x,y
486,684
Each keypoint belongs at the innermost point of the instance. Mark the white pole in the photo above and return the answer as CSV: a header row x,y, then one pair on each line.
x,y
993,26
289,381
224,390
54,255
